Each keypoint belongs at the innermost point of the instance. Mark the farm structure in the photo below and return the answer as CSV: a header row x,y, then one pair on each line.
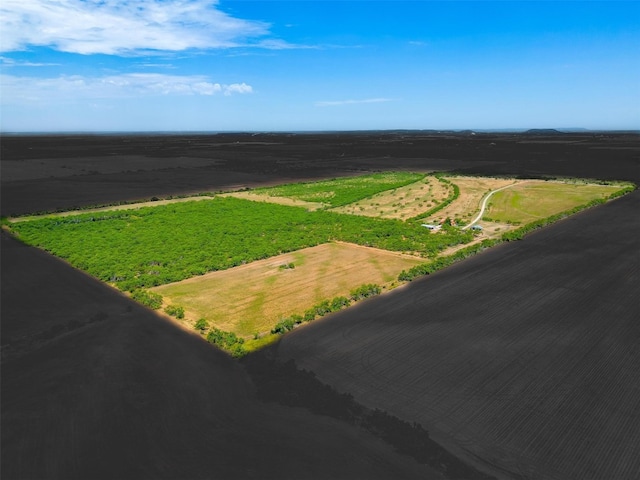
x,y
431,227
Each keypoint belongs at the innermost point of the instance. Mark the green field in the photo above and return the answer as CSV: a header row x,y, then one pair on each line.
x,y
342,191
157,245
531,201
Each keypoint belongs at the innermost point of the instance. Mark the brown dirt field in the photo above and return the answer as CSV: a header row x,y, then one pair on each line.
x,y
291,202
400,203
254,297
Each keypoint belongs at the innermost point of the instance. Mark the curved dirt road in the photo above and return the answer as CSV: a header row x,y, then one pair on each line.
x,y
483,205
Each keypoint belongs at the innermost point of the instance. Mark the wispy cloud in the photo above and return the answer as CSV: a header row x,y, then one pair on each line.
x,y
10,62
125,27
351,102
20,90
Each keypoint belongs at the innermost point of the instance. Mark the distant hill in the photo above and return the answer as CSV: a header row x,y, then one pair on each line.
x,y
542,131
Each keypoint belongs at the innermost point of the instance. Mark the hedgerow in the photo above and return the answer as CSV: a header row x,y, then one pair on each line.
x,y
228,341
325,307
442,262
455,193
146,298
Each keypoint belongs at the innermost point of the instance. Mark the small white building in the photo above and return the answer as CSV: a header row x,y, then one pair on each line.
x,y
433,228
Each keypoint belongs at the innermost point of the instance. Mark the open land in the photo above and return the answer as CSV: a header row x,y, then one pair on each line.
x,y
521,361
530,201
168,241
253,297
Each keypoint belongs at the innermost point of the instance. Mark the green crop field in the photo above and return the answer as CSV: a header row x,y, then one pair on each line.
x,y
531,201
342,191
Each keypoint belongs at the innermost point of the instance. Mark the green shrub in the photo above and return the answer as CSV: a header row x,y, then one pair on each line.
x,y
228,341
364,291
201,325
175,311
146,298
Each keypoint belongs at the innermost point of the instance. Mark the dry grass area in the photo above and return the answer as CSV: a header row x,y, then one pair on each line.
x,y
534,200
472,190
128,206
291,202
401,203
254,297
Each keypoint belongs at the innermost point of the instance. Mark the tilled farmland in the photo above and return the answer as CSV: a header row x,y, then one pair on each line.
x,y
521,362
525,358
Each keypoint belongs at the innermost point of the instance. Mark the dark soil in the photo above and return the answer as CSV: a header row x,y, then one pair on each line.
x,y
521,362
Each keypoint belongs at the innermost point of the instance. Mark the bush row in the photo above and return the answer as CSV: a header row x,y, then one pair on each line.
x,y
228,341
147,298
447,201
442,262
325,307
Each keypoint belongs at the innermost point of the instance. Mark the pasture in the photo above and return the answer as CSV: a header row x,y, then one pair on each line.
x,y
472,190
251,298
534,200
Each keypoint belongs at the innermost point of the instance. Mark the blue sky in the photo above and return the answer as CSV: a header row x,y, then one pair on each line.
x,y
204,65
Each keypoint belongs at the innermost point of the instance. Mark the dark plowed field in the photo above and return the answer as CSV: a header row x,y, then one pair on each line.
x,y
522,362
525,357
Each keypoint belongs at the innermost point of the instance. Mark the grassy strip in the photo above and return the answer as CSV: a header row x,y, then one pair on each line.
x,y
342,191
447,201
76,208
529,227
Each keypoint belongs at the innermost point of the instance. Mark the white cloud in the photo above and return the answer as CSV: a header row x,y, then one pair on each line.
x,y
21,90
351,102
123,27
10,62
